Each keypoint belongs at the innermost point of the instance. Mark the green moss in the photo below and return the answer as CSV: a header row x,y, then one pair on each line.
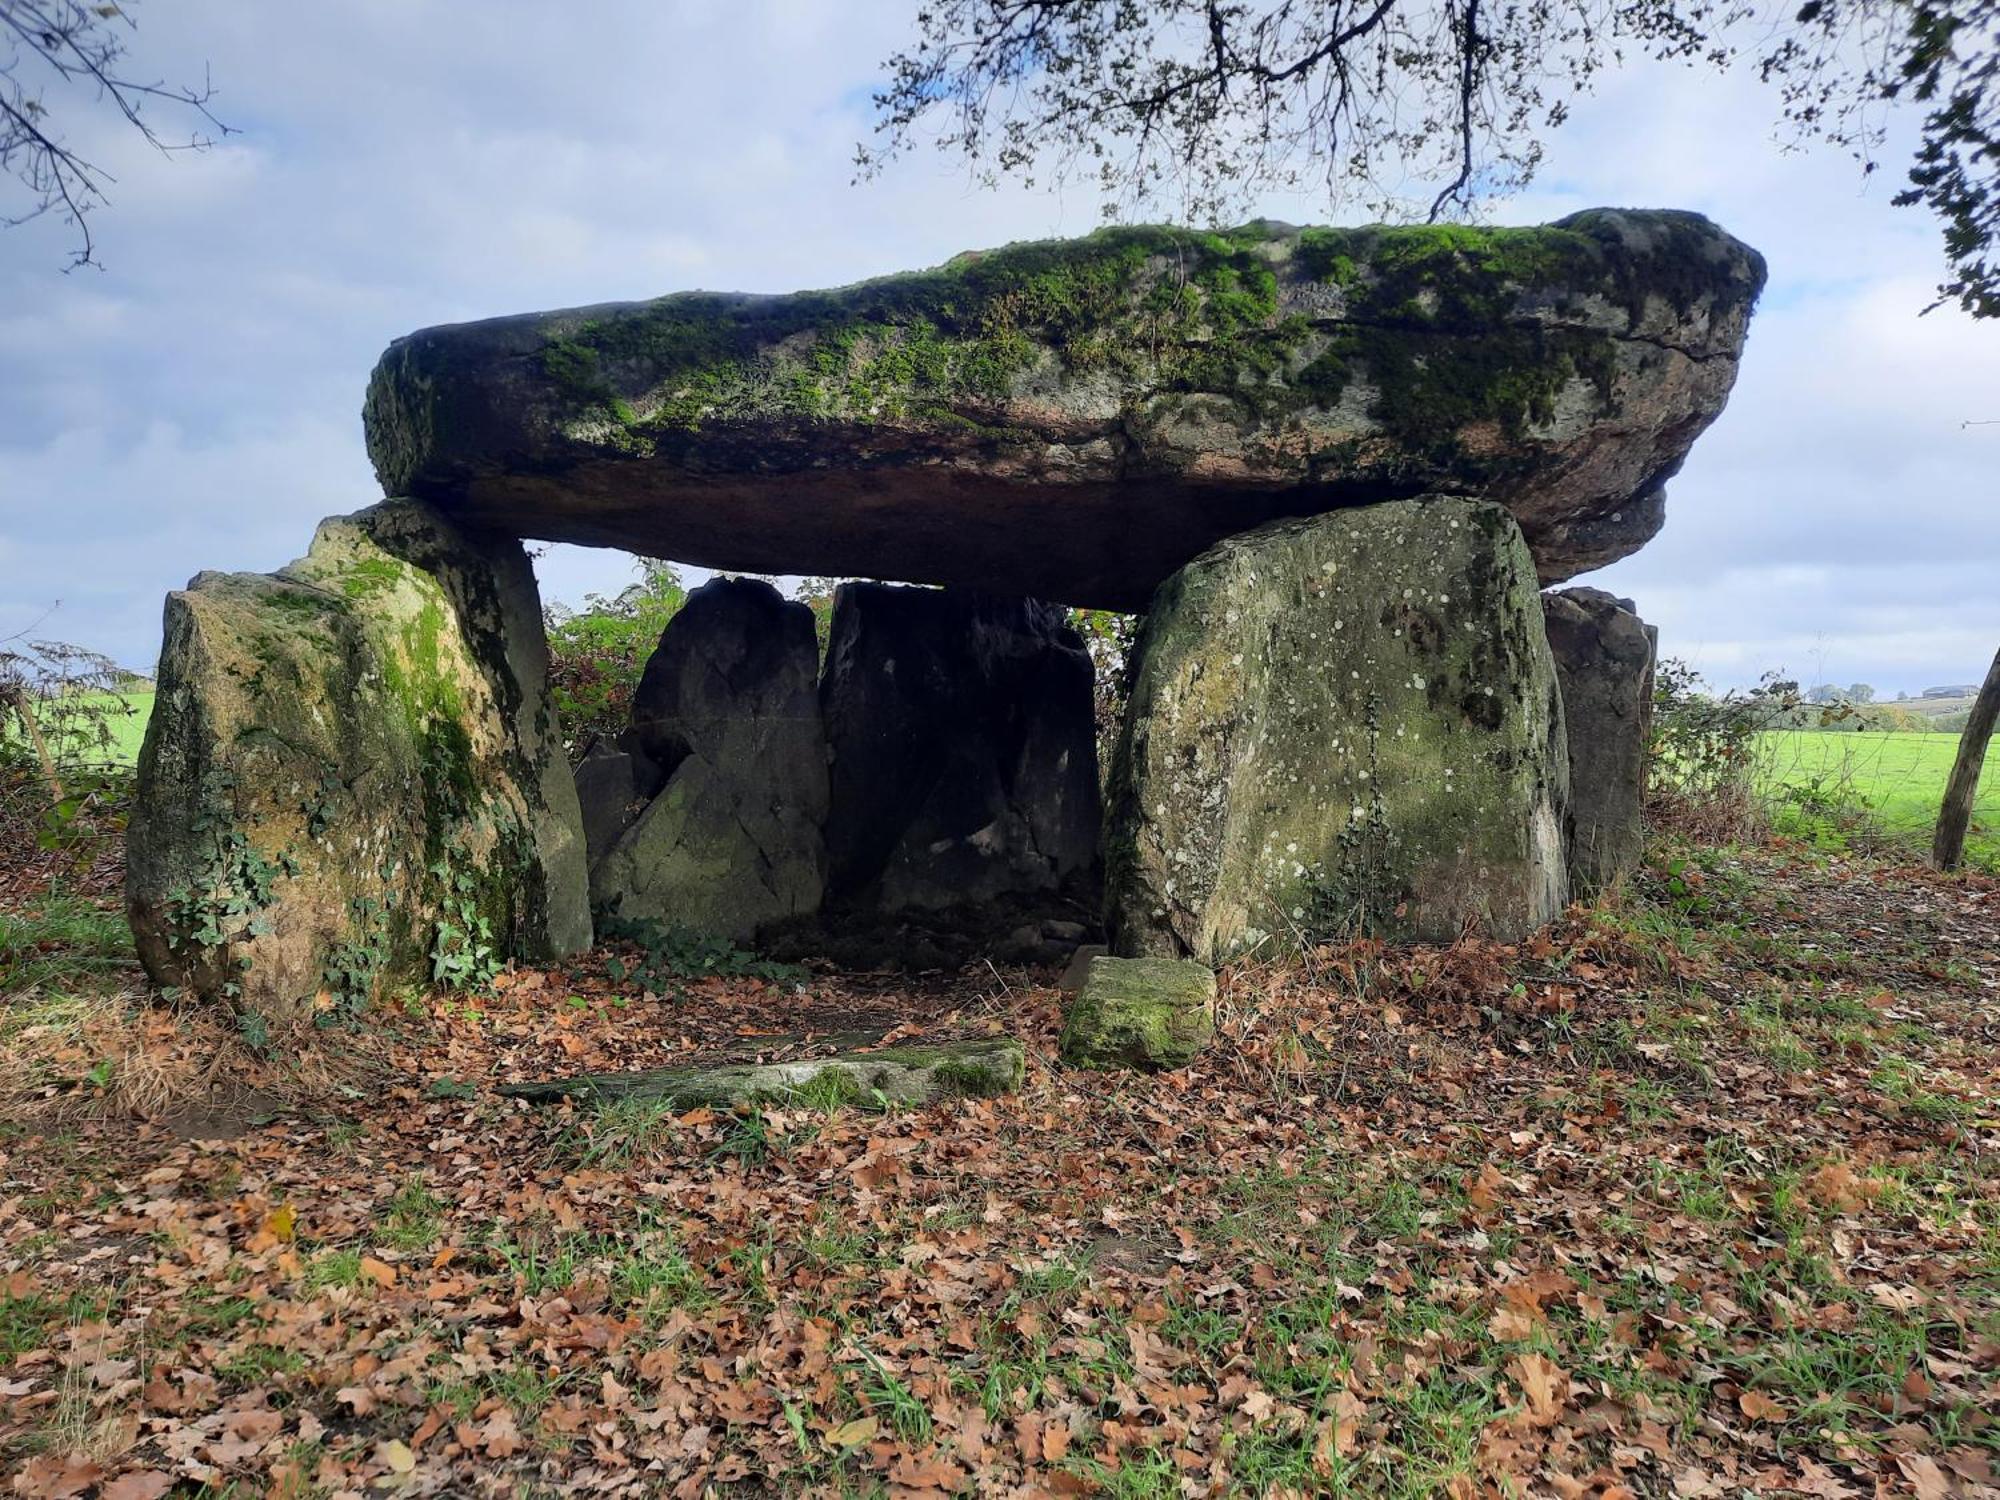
x,y
1678,260
370,575
961,1070
885,349
1146,1013
301,602
1447,326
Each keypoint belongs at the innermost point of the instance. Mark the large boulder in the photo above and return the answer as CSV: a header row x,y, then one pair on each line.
x,y
1339,725
1604,662
964,749
728,710
352,774
1075,420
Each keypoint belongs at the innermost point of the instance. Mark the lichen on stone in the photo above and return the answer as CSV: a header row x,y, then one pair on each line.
x,y
1340,726
335,723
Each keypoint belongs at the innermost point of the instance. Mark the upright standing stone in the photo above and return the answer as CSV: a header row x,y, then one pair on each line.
x,y
964,750
1347,723
1604,661
728,708
352,773
614,784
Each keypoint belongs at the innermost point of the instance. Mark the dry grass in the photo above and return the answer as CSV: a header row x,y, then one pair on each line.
x,y
1724,813
82,1036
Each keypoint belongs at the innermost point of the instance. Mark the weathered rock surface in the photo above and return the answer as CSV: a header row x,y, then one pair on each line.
x,y
1339,724
351,769
964,755
1604,662
613,787
1075,420
1144,1013
979,1069
728,709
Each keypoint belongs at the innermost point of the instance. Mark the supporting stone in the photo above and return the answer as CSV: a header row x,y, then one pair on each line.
x,y
1604,662
613,787
1144,1013
978,1069
352,774
728,709
964,753
1340,725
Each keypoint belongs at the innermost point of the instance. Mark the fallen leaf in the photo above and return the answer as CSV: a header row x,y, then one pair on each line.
x,y
1543,1383
1483,1189
499,1437
379,1272
1761,1408
853,1434
1924,1474
46,1478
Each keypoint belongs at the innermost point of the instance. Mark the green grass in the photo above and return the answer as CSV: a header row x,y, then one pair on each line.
x,y
78,745
63,945
1820,782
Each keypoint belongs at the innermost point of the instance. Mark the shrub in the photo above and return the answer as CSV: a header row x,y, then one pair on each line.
x,y
1702,752
62,788
598,653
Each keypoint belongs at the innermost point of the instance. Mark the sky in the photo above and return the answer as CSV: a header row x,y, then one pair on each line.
x,y
400,163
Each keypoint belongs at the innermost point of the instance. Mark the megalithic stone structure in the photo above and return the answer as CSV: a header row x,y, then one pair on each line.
x,y
352,774
1604,660
1341,726
1309,451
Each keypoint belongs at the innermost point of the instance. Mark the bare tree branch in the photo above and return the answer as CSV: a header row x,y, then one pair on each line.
x,y
1211,102
75,49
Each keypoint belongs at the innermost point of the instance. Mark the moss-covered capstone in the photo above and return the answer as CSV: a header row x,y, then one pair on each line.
x,y
1340,725
1144,1013
1076,419
352,775
982,1068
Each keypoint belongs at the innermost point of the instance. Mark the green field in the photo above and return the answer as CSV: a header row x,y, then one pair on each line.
x,y
1824,786
125,720
1822,783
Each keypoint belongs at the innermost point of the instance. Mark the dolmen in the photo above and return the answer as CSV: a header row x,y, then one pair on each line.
x,y
1333,468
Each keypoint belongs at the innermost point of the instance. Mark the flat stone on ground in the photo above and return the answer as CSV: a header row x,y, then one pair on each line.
x,y
981,1068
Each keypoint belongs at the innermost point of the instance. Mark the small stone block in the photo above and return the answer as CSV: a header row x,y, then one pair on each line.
x,y
1144,1013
